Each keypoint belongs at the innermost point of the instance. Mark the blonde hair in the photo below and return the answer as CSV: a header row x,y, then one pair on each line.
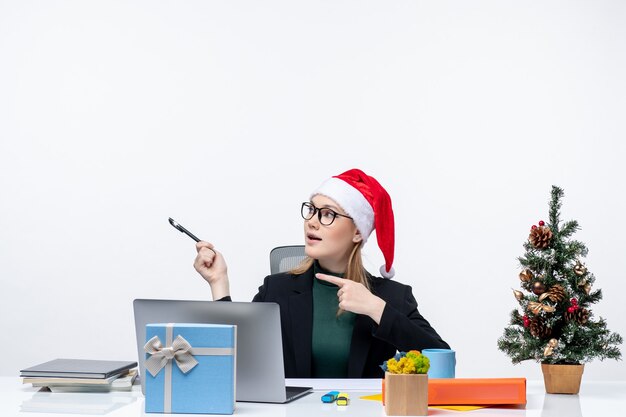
x,y
354,272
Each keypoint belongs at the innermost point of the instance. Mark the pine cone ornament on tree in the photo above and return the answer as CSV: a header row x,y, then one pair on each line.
x,y
538,328
556,294
580,315
540,237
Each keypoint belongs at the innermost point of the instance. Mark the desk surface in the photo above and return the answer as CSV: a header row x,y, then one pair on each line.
x,y
595,399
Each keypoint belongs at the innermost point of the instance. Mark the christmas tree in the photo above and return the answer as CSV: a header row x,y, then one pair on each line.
x,y
556,324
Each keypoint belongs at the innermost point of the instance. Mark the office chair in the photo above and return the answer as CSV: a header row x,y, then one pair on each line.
x,y
284,258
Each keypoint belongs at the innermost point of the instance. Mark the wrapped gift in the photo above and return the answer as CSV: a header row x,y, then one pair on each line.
x,y
190,368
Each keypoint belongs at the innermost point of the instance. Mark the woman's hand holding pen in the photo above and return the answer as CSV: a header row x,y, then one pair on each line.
x,y
211,265
354,297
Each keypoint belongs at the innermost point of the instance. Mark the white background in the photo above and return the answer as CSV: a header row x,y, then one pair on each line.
x,y
115,115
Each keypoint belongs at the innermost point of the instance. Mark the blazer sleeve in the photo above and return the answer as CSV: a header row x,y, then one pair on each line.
x,y
261,295
405,328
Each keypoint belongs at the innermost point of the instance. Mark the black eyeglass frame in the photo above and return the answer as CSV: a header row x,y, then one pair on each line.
x,y
310,205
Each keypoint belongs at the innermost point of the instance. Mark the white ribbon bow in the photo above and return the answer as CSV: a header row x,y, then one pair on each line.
x,y
180,351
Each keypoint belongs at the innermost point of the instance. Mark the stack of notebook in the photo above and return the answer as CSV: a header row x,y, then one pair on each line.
x,y
81,375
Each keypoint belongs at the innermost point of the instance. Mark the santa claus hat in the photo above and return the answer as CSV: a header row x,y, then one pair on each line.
x,y
369,205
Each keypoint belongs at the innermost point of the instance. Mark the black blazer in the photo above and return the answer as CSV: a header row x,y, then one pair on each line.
x,y
401,327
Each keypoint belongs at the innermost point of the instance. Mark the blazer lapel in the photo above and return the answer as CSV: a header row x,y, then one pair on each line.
x,y
359,346
301,312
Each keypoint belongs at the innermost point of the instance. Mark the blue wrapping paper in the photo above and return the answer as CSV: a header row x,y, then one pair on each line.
x,y
207,388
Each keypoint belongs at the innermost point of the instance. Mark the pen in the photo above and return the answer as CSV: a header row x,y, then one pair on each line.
x,y
182,229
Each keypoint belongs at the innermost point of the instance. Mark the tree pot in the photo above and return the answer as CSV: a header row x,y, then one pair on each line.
x,y
406,394
562,379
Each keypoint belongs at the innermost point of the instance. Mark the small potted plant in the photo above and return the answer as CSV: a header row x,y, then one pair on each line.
x,y
405,390
554,324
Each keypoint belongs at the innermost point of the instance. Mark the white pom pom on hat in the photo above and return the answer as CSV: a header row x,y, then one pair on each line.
x,y
369,205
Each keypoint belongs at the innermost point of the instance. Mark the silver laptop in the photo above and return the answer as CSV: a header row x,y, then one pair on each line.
x,y
260,369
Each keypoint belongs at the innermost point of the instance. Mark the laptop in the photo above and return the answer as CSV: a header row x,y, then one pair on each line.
x,y
260,369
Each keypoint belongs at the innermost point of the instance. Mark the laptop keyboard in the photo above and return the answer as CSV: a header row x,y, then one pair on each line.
x,y
295,392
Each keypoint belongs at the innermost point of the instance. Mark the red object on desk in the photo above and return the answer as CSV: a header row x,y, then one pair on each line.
x,y
474,391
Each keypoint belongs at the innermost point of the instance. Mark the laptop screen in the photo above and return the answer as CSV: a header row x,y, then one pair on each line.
x,y
260,369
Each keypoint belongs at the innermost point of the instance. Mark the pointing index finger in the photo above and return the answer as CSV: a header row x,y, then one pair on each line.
x,y
333,280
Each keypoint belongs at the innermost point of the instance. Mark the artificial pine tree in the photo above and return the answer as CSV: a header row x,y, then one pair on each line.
x,y
556,324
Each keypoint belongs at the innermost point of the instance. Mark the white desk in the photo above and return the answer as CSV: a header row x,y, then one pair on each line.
x,y
595,399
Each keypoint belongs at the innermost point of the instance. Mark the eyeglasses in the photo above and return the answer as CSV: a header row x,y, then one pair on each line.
x,y
325,215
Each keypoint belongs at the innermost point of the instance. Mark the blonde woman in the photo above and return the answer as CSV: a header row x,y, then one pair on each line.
x,y
338,321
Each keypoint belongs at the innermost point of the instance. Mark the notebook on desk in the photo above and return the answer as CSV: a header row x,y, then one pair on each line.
x,y
260,370
78,368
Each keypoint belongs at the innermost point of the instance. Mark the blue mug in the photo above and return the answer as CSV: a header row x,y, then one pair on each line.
x,y
442,362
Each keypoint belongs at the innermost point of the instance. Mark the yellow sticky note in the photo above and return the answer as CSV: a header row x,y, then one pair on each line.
x,y
459,407
379,397
375,397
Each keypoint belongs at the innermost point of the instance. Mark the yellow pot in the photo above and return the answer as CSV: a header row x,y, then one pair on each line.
x,y
562,379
